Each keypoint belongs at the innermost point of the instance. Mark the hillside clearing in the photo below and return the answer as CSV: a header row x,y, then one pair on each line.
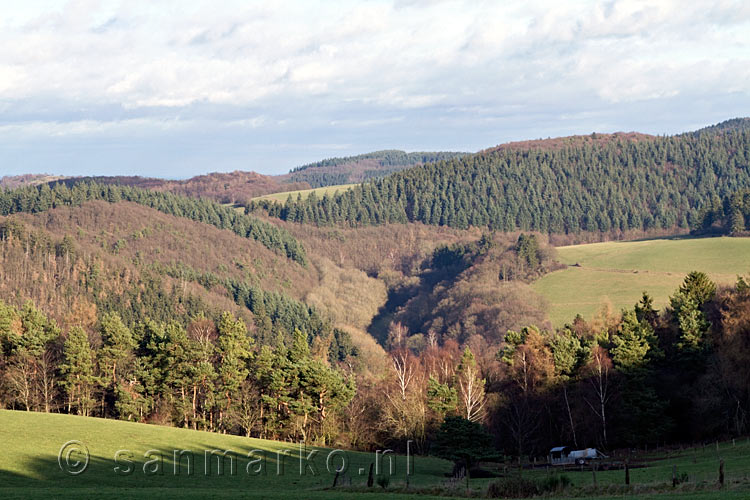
x,y
616,273
319,192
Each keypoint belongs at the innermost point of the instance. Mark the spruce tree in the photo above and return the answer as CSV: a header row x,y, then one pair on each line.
x,y
78,372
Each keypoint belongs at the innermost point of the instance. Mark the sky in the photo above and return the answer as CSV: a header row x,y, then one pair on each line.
x,y
180,88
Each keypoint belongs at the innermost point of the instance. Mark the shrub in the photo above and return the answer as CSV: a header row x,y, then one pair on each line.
x,y
383,481
512,488
554,483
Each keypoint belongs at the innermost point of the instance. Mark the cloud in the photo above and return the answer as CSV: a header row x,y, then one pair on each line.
x,y
285,71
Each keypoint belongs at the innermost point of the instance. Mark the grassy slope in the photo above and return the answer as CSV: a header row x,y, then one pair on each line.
x,y
281,197
618,272
31,441
29,467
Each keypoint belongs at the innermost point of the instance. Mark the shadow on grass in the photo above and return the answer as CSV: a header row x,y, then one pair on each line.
x,y
675,237
287,472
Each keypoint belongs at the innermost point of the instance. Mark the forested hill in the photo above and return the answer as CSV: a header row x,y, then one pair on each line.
x,y
351,169
733,124
590,184
35,199
231,187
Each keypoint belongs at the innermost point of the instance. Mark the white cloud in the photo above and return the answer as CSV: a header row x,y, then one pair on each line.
x,y
301,65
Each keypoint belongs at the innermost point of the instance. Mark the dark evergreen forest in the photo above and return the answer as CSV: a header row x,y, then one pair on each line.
x,y
588,184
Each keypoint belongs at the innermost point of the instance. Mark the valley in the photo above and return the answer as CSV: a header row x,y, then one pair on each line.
x,y
513,299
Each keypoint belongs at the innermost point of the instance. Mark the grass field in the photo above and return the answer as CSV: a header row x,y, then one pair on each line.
x,y
618,272
281,197
32,466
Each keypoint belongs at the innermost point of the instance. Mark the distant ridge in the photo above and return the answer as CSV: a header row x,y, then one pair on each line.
x,y
354,169
556,143
239,187
14,181
727,125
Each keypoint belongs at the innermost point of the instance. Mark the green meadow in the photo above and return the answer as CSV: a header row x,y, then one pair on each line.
x,y
281,197
29,466
616,273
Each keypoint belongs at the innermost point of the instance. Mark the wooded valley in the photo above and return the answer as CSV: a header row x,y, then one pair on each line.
x,y
368,319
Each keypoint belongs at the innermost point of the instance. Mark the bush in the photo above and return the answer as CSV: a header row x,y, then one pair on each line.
x,y
516,487
512,488
554,483
383,481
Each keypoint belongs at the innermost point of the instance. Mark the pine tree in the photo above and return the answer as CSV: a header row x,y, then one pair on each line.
x,y
116,352
632,343
78,372
441,398
688,316
234,349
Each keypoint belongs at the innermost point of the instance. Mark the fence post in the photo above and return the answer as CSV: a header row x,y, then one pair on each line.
x,y
593,472
721,472
674,476
627,472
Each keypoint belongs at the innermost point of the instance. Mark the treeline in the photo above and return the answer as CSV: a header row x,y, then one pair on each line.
x,y
642,377
385,158
34,199
639,377
236,187
728,216
208,375
733,124
595,186
346,170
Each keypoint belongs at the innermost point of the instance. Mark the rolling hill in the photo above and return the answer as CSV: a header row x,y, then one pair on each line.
x,y
367,314
239,187
615,274
357,169
607,184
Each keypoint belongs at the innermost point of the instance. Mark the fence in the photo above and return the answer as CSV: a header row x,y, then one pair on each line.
x,y
701,464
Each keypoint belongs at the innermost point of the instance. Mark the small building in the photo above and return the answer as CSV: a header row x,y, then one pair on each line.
x,y
559,455
563,455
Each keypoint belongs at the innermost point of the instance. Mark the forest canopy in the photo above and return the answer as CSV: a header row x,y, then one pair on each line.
x,y
593,184
35,199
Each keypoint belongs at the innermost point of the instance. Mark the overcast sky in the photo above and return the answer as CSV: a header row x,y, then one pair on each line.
x,y
175,89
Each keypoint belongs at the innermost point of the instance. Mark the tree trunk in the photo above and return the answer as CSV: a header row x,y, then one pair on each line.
x,y
570,415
